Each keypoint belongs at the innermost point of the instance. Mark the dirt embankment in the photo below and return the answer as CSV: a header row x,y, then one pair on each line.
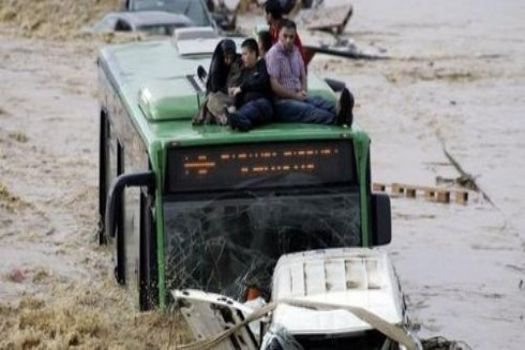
x,y
86,319
53,18
56,283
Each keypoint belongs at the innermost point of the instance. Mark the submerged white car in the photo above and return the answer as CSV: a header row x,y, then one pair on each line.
x,y
343,298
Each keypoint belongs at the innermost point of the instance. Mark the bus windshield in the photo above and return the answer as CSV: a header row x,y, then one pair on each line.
x,y
233,240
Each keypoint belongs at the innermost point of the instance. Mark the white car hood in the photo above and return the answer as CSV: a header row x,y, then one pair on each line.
x,y
348,277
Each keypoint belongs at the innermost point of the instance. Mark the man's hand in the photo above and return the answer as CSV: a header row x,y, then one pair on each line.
x,y
301,95
234,91
285,93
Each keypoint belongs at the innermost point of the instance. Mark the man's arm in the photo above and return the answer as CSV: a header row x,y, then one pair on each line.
x,y
281,91
304,78
304,81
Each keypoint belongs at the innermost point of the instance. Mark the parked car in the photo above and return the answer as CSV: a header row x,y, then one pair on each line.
x,y
151,22
196,10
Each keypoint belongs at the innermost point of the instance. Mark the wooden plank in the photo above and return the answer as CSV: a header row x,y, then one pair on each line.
x,y
378,187
443,196
461,197
430,193
410,192
434,194
398,188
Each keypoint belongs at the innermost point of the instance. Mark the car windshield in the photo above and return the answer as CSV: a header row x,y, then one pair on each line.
x,y
231,242
193,9
161,29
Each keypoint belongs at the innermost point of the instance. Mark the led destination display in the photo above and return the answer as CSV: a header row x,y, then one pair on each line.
x,y
260,165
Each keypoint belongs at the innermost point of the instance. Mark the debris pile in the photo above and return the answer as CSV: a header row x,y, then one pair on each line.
x,y
79,316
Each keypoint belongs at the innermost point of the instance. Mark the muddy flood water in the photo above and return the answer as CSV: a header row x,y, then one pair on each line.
x,y
456,80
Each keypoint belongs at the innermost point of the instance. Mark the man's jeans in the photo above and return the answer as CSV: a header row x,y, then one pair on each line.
x,y
251,114
311,110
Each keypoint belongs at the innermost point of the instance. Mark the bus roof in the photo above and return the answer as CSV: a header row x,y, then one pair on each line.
x,y
159,88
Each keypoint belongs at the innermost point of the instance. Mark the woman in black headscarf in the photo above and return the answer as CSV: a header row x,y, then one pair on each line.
x,y
223,61
224,72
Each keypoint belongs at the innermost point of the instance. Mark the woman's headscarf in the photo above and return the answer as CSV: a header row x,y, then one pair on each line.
x,y
218,72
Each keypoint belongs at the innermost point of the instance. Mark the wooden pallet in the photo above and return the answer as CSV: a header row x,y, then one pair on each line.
x,y
435,194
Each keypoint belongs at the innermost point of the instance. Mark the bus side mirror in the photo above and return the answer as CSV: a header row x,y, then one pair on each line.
x,y
335,85
114,199
381,219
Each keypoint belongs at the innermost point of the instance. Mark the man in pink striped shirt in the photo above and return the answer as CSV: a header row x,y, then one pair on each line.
x,y
289,83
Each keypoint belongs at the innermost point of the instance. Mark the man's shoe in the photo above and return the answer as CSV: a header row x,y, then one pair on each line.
x,y
345,114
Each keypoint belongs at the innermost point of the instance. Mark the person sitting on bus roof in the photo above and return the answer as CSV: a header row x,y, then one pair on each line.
x,y
253,94
224,73
274,17
264,40
289,83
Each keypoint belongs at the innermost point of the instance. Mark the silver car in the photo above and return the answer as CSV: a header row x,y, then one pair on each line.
x,y
150,22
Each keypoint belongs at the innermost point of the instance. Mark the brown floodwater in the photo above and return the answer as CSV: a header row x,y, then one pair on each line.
x,y
457,74
56,285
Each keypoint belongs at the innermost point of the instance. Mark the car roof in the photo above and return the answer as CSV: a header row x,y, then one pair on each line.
x,y
153,18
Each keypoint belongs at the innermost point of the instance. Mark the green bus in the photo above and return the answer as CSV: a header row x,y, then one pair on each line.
x,y
206,207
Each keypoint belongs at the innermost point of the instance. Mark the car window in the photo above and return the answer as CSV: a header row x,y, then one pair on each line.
x,y
106,24
123,26
161,29
193,9
156,30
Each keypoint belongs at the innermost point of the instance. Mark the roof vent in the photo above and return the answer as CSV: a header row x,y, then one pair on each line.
x,y
192,33
195,40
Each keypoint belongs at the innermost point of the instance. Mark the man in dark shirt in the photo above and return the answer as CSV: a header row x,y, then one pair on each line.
x,y
253,95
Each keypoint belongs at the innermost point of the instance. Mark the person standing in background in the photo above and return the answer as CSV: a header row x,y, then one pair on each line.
x,y
274,18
